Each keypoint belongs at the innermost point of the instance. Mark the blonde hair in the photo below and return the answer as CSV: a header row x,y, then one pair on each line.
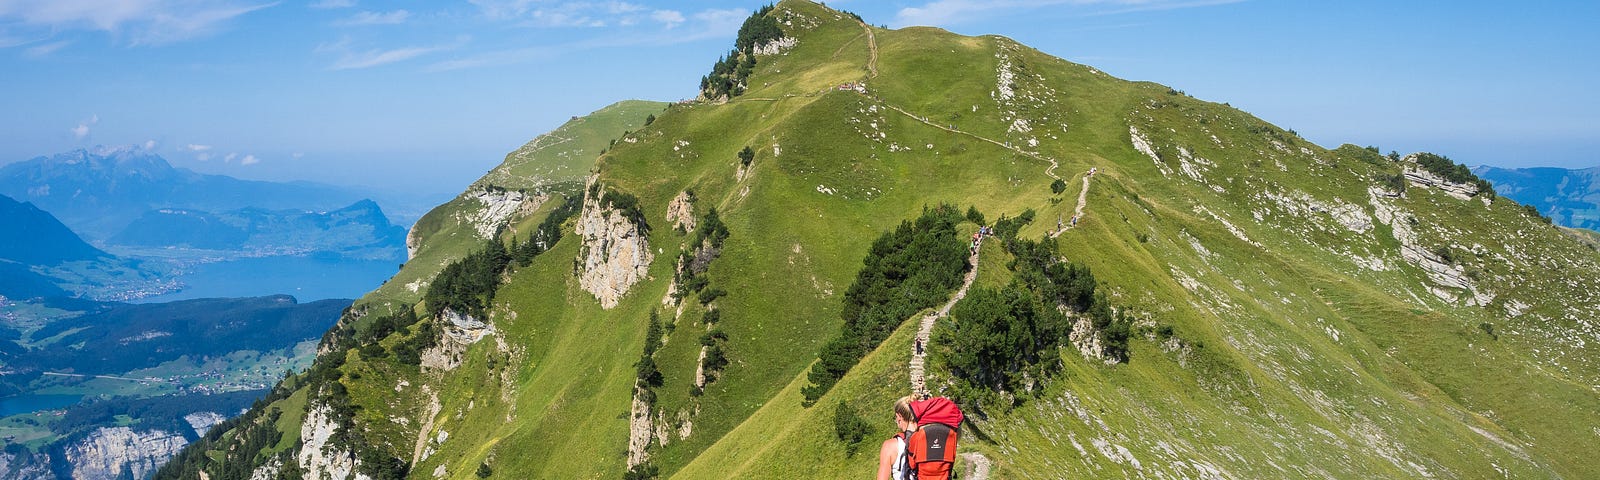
x,y
902,409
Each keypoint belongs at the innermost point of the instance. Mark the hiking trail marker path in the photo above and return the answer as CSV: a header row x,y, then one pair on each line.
x,y
1077,213
919,387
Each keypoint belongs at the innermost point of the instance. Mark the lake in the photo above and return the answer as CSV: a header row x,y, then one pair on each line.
x,y
32,403
306,278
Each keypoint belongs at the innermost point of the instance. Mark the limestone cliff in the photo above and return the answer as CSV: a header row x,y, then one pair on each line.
x,y
615,254
108,452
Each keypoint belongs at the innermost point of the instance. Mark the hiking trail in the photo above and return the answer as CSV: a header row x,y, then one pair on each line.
x,y
872,48
919,386
1077,213
1051,171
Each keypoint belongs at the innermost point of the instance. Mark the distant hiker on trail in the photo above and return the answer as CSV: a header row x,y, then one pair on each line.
x,y
925,448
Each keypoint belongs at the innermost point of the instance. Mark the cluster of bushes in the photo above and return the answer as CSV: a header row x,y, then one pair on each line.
x,y
468,286
1453,172
911,268
728,75
1007,339
704,246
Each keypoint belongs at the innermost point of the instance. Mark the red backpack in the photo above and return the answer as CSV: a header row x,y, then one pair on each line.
x,y
931,448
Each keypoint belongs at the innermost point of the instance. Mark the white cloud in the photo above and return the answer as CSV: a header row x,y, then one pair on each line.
x,y
249,160
203,157
948,12
350,59
709,23
670,18
327,4
150,144
377,18
547,13
44,50
229,157
140,22
82,130
197,148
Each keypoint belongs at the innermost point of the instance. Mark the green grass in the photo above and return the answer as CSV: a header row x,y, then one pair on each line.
x,y
1291,355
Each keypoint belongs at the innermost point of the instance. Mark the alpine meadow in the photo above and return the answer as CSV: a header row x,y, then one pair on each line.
x,y
741,285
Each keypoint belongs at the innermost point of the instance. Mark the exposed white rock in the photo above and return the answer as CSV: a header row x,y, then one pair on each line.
x,y
640,431
1301,204
24,464
413,242
318,458
1423,178
460,331
615,255
1142,144
1005,81
775,47
267,471
203,421
497,206
680,211
1438,271
106,452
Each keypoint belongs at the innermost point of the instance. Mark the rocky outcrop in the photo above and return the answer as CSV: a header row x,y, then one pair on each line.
x,y
1423,178
460,331
24,464
1442,273
776,46
319,458
615,254
498,206
680,211
202,421
641,430
108,452
1087,339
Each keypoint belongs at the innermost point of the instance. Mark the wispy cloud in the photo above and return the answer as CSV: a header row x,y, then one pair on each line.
x,y
327,4
669,18
44,50
140,22
709,23
555,14
350,59
197,148
249,160
377,18
950,12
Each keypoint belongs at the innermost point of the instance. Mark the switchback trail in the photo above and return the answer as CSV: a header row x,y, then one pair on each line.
x,y
1051,171
872,48
919,386
1077,213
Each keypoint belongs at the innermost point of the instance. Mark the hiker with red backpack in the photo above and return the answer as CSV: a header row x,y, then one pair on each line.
x,y
925,448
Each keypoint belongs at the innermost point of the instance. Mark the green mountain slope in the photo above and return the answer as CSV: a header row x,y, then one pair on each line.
x,y
1294,311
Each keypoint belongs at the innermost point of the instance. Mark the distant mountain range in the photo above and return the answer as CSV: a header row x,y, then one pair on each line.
x,y
1569,197
358,231
41,257
99,192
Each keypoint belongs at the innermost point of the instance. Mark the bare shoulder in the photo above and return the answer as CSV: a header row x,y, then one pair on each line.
x,y
890,446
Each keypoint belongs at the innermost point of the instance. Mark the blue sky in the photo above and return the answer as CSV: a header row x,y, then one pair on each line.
x,y
428,95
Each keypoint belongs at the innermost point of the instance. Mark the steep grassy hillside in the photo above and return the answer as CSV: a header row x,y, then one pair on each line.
x,y
1294,311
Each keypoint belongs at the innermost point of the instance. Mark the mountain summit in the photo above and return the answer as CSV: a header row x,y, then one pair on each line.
x,y
745,284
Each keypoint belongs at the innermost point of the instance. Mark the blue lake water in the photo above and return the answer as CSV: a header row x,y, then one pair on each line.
x,y
32,403
306,278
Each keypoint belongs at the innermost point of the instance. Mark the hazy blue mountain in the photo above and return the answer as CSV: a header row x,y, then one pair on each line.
x,y
98,192
357,231
1569,197
32,236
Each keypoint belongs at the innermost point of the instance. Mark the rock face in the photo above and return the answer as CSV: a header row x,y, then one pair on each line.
x,y
1087,339
776,46
110,451
318,458
24,464
1442,273
1423,178
202,421
460,331
498,206
681,212
615,255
